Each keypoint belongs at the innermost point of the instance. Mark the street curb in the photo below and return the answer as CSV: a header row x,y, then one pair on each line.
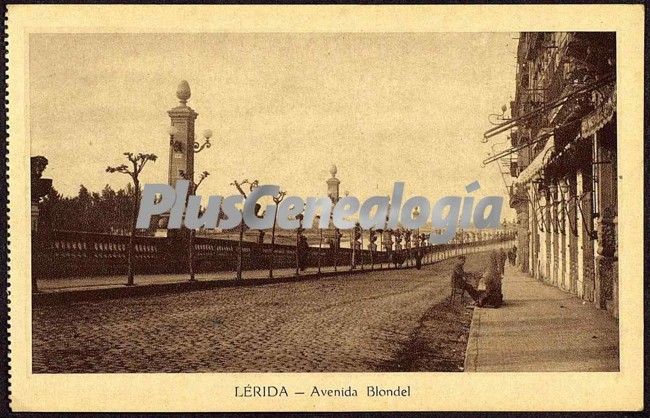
x,y
84,295
471,352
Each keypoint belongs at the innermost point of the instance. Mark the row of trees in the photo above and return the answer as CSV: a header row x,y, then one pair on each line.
x,y
116,212
108,211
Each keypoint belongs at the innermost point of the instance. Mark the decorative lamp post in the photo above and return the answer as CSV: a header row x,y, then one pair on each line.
x,y
207,134
337,235
357,245
353,233
320,242
192,233
407,246
173,131
381,245
276,199
240,251
299,251
398,240
416,214
360,244
372,247
497,118
333,185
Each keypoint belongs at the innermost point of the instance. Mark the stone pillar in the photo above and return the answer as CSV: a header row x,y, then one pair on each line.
x,y
532,228
588,247
613,306
563,275
541,243
606,251
333,185
548,251
581,234
606,260
181,141
181,152
555,265
572,220
522,236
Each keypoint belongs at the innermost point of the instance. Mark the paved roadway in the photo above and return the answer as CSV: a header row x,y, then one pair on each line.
x,y
345,323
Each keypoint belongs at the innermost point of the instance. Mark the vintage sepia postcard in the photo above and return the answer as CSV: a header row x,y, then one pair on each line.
x,y
325,208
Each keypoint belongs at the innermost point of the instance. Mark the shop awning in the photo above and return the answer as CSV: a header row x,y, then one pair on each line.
x,y
593,122
538,162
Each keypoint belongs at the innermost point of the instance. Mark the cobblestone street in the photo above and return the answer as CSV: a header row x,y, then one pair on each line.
x,y
345,323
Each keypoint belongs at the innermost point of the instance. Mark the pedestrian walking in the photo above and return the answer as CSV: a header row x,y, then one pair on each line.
x,y
513,255
502,260
418,259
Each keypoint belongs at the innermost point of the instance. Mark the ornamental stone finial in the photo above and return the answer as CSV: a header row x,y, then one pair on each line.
x,y
333,170
183,91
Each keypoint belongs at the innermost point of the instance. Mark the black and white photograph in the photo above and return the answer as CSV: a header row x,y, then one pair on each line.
x,y
326,116
252,204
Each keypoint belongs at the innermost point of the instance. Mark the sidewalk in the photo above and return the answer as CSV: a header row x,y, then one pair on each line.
x,y
66,284
73,289
86,283
540,328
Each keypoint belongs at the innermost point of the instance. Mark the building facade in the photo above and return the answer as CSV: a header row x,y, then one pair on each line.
x,y
563,134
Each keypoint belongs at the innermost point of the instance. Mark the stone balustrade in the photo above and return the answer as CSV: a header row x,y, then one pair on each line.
x,y
71,253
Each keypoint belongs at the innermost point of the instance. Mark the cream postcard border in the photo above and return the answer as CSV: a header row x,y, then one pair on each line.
x,y
430,391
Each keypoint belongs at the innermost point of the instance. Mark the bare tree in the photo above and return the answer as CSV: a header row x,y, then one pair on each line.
x,y
193,189
137,164
300,252
239,186
276,199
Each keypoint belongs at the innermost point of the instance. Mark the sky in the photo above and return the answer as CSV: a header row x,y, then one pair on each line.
x,y
382,107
